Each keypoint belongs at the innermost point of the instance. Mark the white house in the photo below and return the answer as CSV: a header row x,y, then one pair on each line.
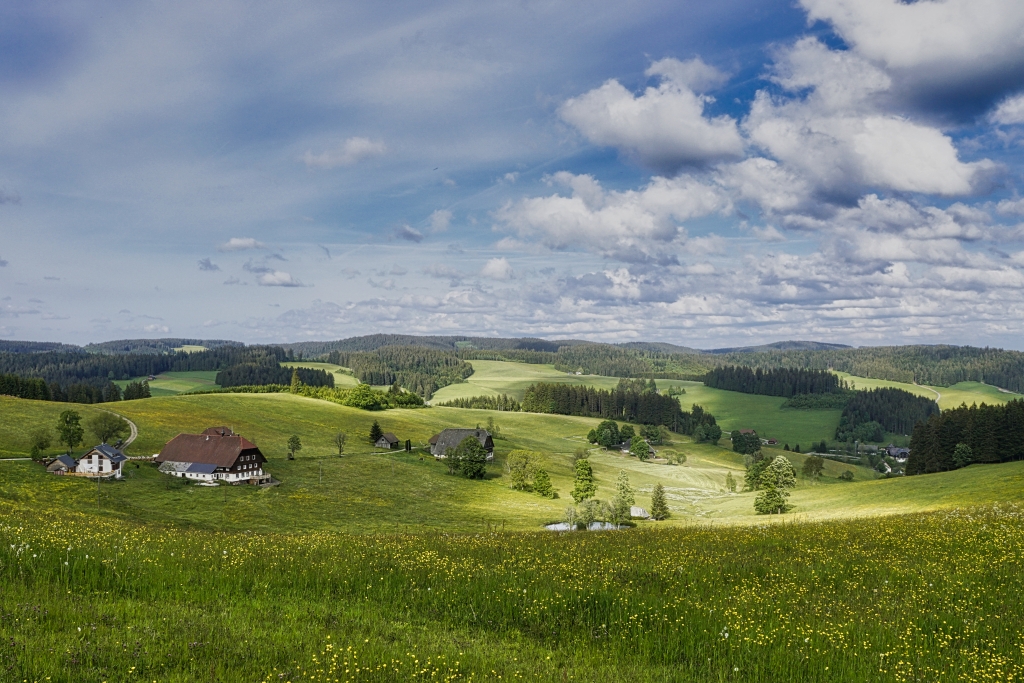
x,y
101,461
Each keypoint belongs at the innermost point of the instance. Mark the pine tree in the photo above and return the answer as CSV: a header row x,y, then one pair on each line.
x,y
622,488
296,382
542,484
659,508
730,482
375,432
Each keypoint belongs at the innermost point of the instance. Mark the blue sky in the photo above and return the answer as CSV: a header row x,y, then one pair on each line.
x,y
706,174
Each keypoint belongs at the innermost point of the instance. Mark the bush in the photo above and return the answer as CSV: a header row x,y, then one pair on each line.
x,y
846,476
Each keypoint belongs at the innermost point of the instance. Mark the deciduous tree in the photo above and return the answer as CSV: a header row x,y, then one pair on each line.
x,y
339,441
106,425
584,487
69,429
294,444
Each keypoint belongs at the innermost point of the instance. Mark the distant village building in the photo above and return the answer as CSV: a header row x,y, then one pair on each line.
x,y
101,461
896,453
451,438
387,440
216,455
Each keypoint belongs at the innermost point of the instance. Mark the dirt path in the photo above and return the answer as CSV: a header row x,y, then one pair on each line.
x,y
131,425
938,396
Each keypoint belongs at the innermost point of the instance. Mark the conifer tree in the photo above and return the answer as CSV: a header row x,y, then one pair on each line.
x,y
375,432
583,486
542,484
659,508
296,382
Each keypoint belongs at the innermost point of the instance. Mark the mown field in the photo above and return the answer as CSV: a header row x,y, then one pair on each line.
x,y
173,383
342,376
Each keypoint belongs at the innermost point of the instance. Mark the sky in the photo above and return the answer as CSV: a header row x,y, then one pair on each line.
x,y
704,174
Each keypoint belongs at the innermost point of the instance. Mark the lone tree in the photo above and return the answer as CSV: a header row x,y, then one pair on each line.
x,y
659,508
470,458
542,485
294,444
776,481
520,466
339,441
813,466
375,432
639,448
107,425
583,487
40,439
296,382
962,455
730,482
69,429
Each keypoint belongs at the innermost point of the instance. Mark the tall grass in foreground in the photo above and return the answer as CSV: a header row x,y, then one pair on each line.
x,y
932,597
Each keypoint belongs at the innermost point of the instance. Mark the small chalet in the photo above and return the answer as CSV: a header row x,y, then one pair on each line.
x,y
387,440
62,464
101,461
450,438
216,455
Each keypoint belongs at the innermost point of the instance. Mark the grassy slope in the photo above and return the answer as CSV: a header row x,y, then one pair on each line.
x,y
342,376
950,397
173,383
491,377
366,491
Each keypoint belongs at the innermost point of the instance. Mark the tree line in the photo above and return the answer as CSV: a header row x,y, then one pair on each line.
x,y
957,437
502,402
869,414
786,382
270,372
420,370
632,400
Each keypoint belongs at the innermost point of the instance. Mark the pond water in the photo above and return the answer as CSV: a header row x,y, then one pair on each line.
x,y
593,526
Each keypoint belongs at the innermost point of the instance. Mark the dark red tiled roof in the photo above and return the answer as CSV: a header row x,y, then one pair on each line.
x,y
222,451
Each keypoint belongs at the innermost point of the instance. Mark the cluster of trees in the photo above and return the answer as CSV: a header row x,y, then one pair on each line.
x,y
71,433
19,387
632,400
266,369
361,396
468,459
526,474
616,511
869,414
747,444
774,381
834,401
502,402
987,433
418,369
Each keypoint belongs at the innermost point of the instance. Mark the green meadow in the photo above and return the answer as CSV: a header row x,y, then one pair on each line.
x,y
380,566
173,383
342,376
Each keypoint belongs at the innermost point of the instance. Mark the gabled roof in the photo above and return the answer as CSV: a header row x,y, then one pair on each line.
x,y
389,437
109,452
450,438
65,460
221,451
201,468
219,431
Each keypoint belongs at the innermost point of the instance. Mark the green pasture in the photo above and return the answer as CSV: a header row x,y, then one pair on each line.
x,y
173,383
342,376
191,348
491,377
948,397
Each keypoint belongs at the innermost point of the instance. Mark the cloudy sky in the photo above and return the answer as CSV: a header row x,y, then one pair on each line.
x,y
705,174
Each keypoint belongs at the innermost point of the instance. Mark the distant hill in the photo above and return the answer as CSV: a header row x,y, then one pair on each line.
x,y
7,346
781,346
659,347
154,346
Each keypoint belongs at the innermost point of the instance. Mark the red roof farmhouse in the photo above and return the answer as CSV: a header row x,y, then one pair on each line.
x,y
216,455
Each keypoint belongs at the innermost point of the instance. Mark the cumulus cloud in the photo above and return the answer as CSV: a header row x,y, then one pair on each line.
x,y
207,264
409,234
664,128
156,328
955,54
497,269
277,278
637,224
387,284
1010,111
349,152
837,137
241,244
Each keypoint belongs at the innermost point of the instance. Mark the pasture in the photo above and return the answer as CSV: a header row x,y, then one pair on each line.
x,y
174,383
342,376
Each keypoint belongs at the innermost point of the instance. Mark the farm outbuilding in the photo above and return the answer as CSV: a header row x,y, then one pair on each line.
x,y
387,440
450,438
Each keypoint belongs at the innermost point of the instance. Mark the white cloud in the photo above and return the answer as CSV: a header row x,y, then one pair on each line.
x,y
277,278
635,223
497,269
351,151
440,220
768,233
1011,207
693,73
241,244
156,328
665,127
838,139
1010,111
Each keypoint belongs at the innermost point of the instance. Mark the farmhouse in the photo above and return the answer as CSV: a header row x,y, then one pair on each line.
x,y
62,464
387,440
450,438
101,461
216,455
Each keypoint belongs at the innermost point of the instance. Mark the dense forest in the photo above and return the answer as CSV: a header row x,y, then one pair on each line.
x,y
269,372
502,402
961,436
632,400
155,346
786,382
869,414
420,370
21,387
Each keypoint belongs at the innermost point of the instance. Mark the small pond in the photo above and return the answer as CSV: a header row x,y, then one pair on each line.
x,y
593,526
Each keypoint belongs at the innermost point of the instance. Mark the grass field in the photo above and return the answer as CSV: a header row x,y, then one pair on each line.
x,y
342,376
491,377
382,567
174,383
948,397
